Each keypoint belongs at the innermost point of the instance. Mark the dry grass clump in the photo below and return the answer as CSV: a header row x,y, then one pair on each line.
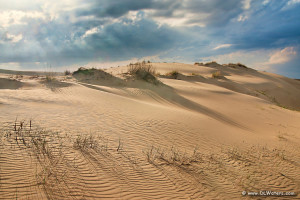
x,y
53,158
87,142
212,64
50,78
217,75
16,77
173,74
144,72
236,65
172,156
40,143
67,72
54,83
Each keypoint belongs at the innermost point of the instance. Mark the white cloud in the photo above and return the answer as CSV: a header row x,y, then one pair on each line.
x,y
90,32
222,46
15,17
10,38
14,38
242,18
258,59
179,18
247,4
282,56
291,2
265,2
254,59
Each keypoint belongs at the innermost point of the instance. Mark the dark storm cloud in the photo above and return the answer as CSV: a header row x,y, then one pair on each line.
x,y
67,43
218,12
184,30
118,8
133,40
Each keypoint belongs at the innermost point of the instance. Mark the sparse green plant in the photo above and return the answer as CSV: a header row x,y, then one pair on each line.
x,y
85,71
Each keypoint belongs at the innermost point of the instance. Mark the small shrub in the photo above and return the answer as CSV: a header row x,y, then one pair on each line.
x,y
236,65
173,74
85,71
172,156
241,65
143,72
211,63
217,74
67,72
84,143
50,78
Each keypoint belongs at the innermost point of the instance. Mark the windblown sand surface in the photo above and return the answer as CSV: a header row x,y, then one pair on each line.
x,y
195,137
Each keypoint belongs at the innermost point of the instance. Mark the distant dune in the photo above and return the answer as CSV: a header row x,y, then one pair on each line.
x,y
172,131
28,73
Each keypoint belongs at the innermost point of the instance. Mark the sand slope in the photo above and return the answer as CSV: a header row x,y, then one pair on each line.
x,y
193,138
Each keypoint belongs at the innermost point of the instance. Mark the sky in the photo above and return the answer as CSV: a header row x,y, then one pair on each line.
x,y
67,34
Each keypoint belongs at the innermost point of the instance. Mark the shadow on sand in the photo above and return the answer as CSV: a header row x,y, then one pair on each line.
x,y
161,93
10,84
55,85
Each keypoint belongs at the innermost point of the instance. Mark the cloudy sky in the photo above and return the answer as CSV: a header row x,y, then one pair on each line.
x,y
37,34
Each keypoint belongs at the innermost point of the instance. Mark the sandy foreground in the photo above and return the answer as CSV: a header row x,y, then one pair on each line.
x,y
194,137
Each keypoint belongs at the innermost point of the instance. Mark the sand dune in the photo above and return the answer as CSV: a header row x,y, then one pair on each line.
x,y
194,137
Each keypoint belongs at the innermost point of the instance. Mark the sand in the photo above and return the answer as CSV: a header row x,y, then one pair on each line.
x,y
195,137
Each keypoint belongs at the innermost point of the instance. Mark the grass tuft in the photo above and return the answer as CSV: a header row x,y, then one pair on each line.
x,y
87,142
173,74
144,72
50,78
67,72
217,74
236,65
172,156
